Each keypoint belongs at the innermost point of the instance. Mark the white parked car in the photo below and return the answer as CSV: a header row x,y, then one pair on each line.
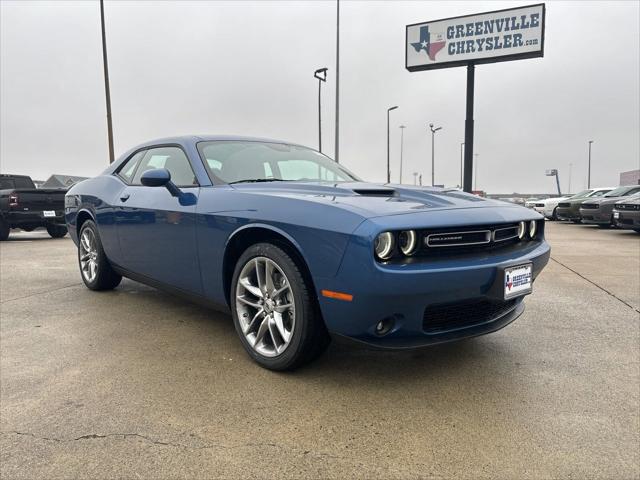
x,y
548,207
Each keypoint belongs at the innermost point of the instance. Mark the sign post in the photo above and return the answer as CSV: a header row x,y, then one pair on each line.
x,y
470,40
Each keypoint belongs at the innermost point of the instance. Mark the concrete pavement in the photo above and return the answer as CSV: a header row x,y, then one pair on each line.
x,y
135,383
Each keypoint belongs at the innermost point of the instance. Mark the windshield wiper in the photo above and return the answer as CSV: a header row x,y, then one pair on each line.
x,y
259,180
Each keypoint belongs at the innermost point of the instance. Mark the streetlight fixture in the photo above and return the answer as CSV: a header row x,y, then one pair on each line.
x,y
461,162
388,164
321,75
589,172
433,162
402,127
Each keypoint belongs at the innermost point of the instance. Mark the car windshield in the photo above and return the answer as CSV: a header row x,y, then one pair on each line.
x,y
618,192
583,193
246,161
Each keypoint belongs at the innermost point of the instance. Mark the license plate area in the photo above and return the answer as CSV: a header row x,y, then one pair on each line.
x,y
517,280
49,213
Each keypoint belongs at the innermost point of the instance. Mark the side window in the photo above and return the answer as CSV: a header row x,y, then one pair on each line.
x,y
633,191
171,158
129,167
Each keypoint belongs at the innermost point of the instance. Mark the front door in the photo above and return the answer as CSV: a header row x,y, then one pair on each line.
x,y
157,231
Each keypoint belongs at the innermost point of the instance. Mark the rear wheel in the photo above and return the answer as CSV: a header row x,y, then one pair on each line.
x,y
95,269
4,230
274,311
56,231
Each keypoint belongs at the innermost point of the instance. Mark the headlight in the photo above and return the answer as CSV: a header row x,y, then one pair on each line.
x,y
532,228
408,241
522,228
383,245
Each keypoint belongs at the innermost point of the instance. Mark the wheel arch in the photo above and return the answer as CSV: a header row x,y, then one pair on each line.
x,y
81,217
249,235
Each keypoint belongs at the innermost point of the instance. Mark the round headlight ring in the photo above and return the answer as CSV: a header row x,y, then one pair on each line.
x,y
522,228
383,245
408,241
533,227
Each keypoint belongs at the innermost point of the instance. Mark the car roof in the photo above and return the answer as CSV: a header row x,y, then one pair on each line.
x,y
180,139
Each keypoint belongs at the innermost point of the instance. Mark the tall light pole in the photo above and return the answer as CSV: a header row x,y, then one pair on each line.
x,y
402,127
589,171
337,140
461,161
321,75
433,161
475,175
107,91
388,164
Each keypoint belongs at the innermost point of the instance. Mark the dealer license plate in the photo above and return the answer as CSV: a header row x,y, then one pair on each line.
x,y
49,213
517,280
616,214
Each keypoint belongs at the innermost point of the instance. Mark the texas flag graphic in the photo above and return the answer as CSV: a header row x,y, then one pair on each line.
x,y
427,45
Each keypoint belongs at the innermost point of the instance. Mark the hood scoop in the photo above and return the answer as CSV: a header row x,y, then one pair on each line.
x,y
375,192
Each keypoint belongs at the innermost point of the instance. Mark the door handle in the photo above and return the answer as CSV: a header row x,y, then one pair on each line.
x,y
124,197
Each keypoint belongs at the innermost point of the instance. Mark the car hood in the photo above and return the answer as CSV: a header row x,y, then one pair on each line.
x,y
372,200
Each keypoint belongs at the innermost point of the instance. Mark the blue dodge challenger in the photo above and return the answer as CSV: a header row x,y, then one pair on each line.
x,y
299,249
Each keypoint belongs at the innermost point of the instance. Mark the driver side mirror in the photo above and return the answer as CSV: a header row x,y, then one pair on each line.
x,y
160,177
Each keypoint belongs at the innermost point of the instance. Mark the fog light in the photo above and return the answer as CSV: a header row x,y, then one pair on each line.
x,y
385,325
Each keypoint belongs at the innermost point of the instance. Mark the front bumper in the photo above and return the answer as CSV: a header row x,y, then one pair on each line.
x,y
568,213
595,216
404,292
628,219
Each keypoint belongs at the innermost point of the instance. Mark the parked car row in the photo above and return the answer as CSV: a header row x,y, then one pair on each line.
x,y
604,207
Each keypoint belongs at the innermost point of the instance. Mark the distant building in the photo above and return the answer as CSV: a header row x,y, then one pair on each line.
x,y
632,177
61,181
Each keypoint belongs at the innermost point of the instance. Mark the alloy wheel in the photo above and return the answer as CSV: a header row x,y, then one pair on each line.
x,y
88,255
265,306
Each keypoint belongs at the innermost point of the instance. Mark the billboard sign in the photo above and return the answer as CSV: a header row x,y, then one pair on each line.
x,y
498,36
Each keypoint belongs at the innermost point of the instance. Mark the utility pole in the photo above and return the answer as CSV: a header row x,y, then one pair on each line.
x,y
402,127
321,75
337,140
475,175
433,162
589,171
461,163
107,91
388,163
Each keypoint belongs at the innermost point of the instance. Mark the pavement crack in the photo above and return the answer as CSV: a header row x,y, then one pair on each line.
x,y
42,292
596,285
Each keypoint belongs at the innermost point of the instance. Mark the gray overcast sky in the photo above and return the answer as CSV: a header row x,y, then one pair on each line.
x,y
246,68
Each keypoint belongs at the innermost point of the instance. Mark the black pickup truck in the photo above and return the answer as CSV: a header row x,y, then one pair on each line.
x,y
24,206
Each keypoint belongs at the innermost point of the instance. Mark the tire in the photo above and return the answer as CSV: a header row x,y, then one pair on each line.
x,y
96,272
280,331
4,230
56,231
577,221
554,215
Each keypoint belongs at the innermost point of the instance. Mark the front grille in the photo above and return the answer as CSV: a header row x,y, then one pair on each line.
x,y
539,205
564,205
450,316
456,239
587,217
590,206
627,206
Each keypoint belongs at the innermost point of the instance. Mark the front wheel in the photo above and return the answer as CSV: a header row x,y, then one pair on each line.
x,y
274,311
554,215
95,269
56,231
